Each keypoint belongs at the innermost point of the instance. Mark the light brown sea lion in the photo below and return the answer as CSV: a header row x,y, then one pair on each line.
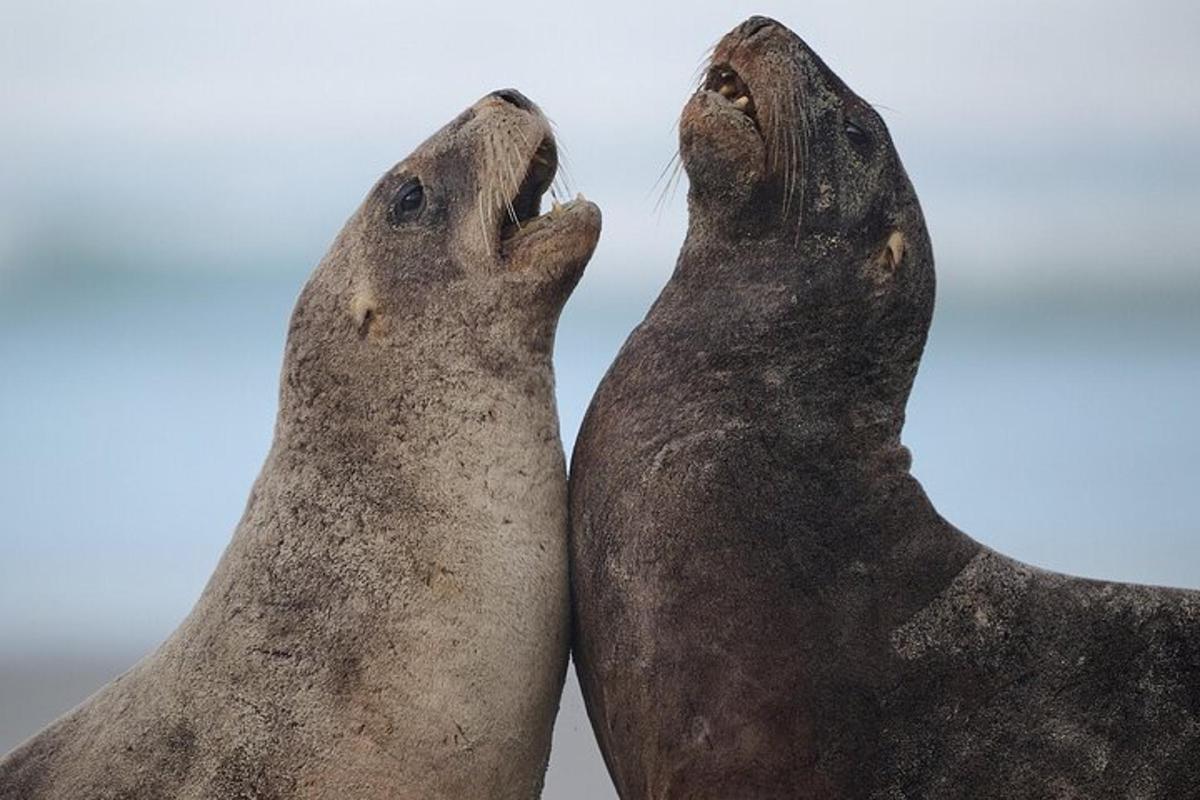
x,y
391,617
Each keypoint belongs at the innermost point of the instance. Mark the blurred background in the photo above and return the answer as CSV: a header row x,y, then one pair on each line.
x,y
171,173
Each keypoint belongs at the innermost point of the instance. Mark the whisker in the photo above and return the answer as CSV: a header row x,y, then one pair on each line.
x,y
675,167
499,177
563,180
669,167
797,153
701,71
782,146
485,197
513,154
484,227
525,138
560,185
676,179
805,135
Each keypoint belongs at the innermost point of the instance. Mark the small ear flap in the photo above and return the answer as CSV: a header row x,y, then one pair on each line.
x,y
893,252
362,310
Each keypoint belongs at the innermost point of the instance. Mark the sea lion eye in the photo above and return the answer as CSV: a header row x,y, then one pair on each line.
x,y
857,136
408,202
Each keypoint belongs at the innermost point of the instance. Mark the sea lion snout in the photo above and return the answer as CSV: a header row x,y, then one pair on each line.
x,y
554,249
721,149
754,25
513,97
516,163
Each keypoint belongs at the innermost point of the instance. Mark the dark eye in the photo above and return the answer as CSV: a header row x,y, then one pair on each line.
x,y
857,136
408,202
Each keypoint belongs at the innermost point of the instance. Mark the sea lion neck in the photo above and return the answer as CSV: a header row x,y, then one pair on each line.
x,y
801,338
397,389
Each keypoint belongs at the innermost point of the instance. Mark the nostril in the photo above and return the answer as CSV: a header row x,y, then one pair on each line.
x,y
755,24
516,98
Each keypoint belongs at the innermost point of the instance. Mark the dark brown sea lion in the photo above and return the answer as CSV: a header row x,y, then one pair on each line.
x,y
766,603
391,617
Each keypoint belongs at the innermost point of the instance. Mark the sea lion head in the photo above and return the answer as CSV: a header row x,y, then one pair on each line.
x,y
796,189
448,264
774,140
464,208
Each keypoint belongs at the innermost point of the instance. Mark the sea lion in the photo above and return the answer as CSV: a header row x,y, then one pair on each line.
x,y
391,618
766,603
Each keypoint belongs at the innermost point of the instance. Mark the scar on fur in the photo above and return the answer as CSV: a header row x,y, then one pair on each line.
x,y
893,252
362,309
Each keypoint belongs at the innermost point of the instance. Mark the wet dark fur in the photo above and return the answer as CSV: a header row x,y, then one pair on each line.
x,y
766,603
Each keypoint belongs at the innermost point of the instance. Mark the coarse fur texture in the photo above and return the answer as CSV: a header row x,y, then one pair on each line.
x,y
390,619
766,603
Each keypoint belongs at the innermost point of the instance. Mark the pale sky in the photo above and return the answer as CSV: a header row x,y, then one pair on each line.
x,y
1051,143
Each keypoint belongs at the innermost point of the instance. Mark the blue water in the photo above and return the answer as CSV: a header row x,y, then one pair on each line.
x,y
135,412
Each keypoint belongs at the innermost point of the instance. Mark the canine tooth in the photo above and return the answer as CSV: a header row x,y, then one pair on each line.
x,y
580,197
742,102
728,90
555,207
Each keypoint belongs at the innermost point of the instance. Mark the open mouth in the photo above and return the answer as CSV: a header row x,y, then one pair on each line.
x,y
725,81
526,206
